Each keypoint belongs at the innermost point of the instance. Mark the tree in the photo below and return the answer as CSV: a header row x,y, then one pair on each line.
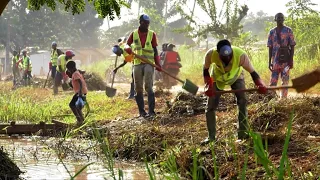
x,y
224,24
40,28
104,8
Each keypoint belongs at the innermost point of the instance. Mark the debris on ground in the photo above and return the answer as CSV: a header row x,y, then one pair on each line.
x,y
8,169
94,81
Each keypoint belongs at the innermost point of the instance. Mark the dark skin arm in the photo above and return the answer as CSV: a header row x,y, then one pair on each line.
x,y
80,91
270,56
178,57
292,54
120,66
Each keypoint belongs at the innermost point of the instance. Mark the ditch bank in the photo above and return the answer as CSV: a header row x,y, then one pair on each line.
x,y
180,128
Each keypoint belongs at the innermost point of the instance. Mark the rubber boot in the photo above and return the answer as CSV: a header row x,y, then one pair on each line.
x,y
131,94
140,103
55,89
151,103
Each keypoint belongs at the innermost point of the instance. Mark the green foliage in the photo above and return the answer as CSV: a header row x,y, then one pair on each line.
x,y
40,28
105,8
224,24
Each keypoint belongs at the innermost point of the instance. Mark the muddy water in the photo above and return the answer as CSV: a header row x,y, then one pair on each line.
x,y
40,162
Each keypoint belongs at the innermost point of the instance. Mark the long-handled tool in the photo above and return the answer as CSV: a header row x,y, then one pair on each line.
x,y
110,91
45,83
300,84
187,85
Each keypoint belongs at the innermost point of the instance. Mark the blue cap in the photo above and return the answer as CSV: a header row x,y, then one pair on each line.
x,y
54,43
225,50
144,17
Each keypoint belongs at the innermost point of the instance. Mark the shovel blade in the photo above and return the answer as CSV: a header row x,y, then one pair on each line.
x,y
110,92
190,87
306,81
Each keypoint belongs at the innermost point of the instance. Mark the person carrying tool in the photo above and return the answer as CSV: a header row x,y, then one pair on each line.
x,y
144,42
228,64
171,64
27,68
119,50
55,53
80,89
281,50
61,70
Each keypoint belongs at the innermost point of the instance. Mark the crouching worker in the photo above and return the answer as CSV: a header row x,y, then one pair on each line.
x,y
80,89
228,64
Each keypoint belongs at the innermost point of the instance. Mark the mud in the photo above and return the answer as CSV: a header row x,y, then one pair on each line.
x,y
8,169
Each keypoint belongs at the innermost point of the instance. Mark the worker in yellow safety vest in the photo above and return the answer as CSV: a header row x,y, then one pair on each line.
x,y
27,68
15,67
227,70
61,70
55,53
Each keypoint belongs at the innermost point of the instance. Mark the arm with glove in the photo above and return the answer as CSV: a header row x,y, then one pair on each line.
x,y
209,85
246,64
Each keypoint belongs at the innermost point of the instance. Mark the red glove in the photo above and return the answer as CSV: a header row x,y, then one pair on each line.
x,y
262,89
209,86
50,65
157,62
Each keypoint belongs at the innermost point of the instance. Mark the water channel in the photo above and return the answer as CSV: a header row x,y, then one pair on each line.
x,y
38,160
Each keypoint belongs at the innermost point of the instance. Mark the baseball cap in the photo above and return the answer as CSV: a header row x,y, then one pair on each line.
x,y
225,50
144,17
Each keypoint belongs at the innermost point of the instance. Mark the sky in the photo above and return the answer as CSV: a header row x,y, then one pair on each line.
x,y
270,7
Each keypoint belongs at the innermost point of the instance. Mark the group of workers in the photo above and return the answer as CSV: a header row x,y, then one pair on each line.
x,y
227,63
21,66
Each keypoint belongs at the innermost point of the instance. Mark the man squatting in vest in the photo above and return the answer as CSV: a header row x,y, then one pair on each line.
x,y
61,70
55,53
144,43
228,64
27,68
119,50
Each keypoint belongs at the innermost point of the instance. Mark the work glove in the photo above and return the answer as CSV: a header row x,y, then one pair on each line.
x,y
157,62
209,91
262,89
271,66
50,65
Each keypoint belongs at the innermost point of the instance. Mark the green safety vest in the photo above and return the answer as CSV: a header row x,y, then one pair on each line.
x,y
147,51
26,62
15,59
226,75
63,63
54,57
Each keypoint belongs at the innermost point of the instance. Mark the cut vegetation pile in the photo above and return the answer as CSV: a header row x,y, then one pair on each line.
x,y
177,133
8,169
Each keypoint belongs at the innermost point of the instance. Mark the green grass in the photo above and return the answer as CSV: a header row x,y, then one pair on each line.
x,y
38,104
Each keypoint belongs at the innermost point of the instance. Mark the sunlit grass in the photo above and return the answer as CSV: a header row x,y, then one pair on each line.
x,y
38,104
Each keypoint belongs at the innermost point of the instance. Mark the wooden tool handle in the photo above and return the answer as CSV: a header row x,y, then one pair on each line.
x,y
254,89
156,66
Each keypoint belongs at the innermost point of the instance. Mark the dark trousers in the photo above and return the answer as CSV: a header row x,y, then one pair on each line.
x,y
213,103
53,71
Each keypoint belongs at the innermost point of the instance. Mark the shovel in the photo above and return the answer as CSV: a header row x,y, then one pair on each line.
x,y
110,91
300,84
187,85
